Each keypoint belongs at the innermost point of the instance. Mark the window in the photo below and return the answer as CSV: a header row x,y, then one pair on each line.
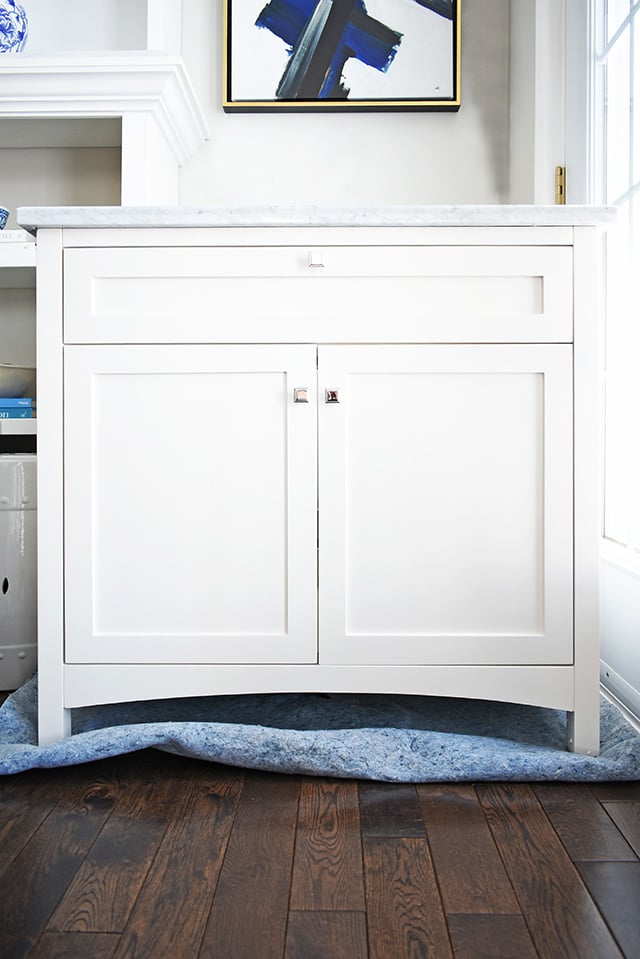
x,y
616,175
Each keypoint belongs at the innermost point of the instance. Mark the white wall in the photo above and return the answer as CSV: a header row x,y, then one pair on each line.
x,y
620,632
355,159
82,25
59,176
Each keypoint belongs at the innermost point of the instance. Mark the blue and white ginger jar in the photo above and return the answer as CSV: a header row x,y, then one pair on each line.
x,y
14,26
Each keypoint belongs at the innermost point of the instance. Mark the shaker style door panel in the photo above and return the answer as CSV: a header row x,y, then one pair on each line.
x,y
446,509
307,294
190,505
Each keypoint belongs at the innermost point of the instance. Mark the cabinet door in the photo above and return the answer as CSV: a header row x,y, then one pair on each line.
x,y
446,505
190,504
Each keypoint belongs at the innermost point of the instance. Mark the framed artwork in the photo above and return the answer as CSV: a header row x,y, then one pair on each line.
x,y
332,55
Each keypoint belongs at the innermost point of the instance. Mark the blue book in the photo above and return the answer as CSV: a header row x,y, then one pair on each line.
x,y
15,413
7,401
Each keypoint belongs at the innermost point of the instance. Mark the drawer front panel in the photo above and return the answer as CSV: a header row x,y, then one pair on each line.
x,y
329,294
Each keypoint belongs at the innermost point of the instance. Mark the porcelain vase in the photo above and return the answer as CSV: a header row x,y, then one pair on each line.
x,y
14,26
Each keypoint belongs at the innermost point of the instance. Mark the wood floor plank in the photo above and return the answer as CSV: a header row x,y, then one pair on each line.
x,y
31,888
615,886
171,911
25,801
490,937
327,865
616,792
249,914
390,809
106,886
561,916
626,816
404,911
326,935
470,871
75,945
586,831
206,865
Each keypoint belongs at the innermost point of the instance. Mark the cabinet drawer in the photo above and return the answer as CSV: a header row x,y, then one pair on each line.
x,y
330,294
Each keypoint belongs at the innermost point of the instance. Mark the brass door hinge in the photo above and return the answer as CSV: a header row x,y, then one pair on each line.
x,y
561,184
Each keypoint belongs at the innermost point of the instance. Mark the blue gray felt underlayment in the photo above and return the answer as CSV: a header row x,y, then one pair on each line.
x,y
393,738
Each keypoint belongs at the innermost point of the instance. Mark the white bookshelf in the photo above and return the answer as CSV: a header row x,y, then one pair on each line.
x,y
17,311
17,258
109,73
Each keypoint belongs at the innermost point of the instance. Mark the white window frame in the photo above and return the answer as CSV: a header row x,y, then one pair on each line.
x,y
623,552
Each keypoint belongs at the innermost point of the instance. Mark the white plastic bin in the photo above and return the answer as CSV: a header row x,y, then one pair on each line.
x,y
18,616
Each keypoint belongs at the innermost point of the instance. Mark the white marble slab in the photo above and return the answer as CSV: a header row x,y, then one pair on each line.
x,y
40,217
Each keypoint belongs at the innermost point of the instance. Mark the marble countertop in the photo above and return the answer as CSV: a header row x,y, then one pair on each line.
x,y
78,217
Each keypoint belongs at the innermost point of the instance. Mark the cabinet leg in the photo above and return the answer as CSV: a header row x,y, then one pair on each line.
x,y
583,731
53,725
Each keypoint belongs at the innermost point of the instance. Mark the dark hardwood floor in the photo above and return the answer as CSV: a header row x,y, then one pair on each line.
x,y
152,855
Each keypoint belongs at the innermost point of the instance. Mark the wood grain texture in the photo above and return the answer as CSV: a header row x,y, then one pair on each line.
x,y
615,886
76,945
626,816
404,910
327,866
106,886
249,915
390,809
586,831
470,871
23,808
490,937
31,888
320,935
193,861
169,916
561,916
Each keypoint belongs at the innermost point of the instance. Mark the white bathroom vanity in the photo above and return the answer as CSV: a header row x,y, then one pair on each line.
x,y
318,450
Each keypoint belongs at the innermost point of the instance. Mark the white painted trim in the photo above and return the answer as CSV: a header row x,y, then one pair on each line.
x,y
549,97
164,25
622,557
149,173
53,718
587,496
619,692
619,622
107,86
578,101
547,686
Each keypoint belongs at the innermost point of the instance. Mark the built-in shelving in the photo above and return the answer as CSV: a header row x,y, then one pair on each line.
x,y
62,91
107,78
17,330
17,258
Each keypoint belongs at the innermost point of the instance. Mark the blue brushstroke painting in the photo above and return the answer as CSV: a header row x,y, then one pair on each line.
x,y
323,34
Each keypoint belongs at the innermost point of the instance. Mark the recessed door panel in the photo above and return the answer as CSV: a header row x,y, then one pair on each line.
x,y
190,485
446,505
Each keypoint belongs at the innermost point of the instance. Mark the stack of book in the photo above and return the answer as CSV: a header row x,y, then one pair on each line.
x,y
17,408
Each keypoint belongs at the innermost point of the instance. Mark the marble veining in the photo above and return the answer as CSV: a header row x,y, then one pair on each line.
x,y
78,217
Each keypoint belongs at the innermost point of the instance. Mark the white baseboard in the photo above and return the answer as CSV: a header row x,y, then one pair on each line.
x,y
621,693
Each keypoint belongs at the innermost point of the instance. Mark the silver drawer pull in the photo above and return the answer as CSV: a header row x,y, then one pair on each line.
x,y
300,394
314,259
331,396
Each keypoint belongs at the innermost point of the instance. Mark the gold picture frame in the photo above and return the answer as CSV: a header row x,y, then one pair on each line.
x,y
341,55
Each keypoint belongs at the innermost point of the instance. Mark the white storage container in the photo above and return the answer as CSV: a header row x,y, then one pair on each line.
x,y
17,569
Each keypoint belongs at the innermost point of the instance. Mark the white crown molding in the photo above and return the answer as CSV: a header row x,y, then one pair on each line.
x,y
106,86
